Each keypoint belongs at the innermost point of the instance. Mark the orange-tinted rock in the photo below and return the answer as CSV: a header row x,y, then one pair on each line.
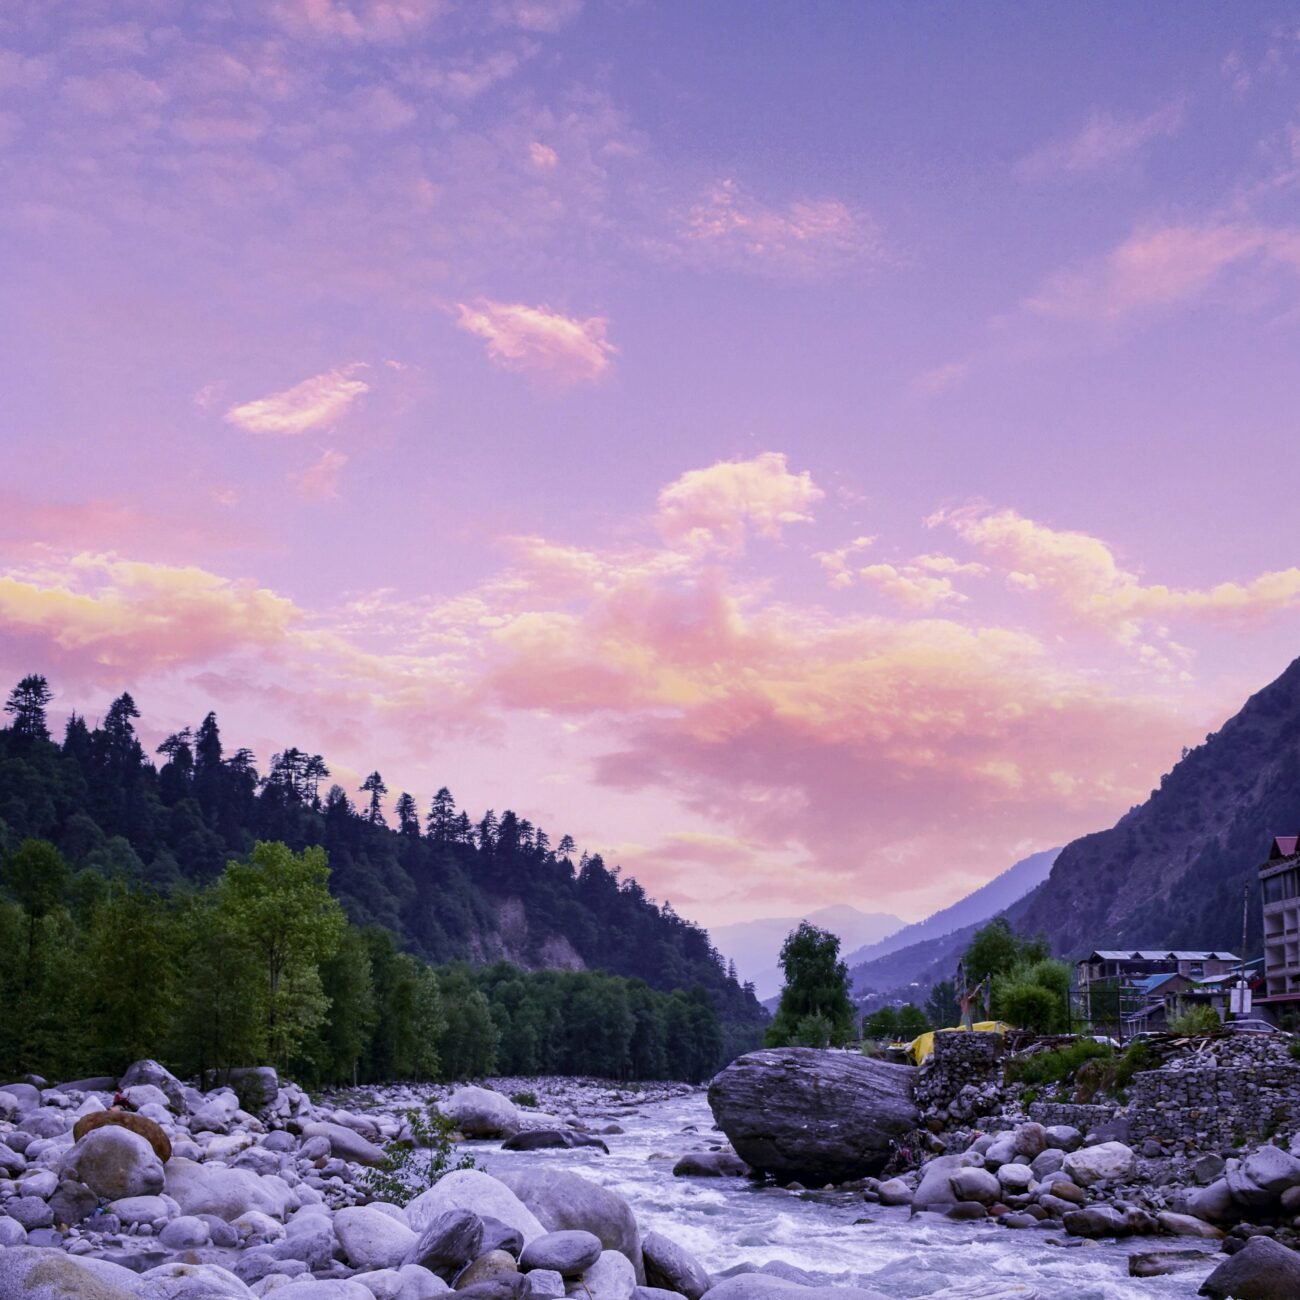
x,y
145,1128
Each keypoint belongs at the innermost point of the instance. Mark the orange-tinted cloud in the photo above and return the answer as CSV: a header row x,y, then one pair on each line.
x,y
1081,573
714,509
123,615
538,340
315,403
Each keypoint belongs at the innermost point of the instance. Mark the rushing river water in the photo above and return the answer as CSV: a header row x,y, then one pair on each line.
x,y
838,1237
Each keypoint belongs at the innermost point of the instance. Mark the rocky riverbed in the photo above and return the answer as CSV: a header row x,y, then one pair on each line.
x,y
594,1193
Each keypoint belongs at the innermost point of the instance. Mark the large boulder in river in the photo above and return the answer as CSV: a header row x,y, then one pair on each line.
x,y
481,1113
820,1116
1263,1269
562,1201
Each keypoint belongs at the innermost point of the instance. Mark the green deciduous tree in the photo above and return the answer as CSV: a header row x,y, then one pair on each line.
x,y
816,984
279,903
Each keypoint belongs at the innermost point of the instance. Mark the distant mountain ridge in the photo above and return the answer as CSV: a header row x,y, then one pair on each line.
x,y
980,905
755,946
925,963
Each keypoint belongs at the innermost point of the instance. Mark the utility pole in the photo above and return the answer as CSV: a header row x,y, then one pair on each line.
x,y
1240,999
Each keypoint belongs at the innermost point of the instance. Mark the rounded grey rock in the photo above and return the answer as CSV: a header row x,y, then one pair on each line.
x,y
570,1253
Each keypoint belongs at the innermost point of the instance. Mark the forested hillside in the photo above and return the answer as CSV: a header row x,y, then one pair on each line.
x,y
448,887
1172,872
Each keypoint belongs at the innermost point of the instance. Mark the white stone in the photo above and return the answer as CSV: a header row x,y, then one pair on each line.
x,y
178,1281
226,1193
479,1112
611,1277
471,1189
141,1209
1107,1160
372,1240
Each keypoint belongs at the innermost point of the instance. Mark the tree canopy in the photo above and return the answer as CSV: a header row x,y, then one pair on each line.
x,y
815,1008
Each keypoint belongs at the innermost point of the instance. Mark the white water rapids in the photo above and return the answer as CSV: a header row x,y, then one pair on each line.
x,y
727,1221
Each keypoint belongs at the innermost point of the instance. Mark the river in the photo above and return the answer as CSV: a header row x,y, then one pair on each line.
x,y
835,1236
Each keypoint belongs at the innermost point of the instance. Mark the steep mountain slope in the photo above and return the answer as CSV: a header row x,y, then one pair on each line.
x,y
985,902
1172,871
755,945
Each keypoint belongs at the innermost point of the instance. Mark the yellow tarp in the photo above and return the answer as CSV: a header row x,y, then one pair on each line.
x,y
920,1049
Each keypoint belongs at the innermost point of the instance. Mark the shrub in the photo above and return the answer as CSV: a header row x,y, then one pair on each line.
x,y
813,1031
526,1099
413,1165
1195,1021
1058,1065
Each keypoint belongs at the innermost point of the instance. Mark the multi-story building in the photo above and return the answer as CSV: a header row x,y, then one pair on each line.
x,y
1114,985
1279,880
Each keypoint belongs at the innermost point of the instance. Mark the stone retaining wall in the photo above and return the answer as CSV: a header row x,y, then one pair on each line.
x,y
1076,1114
1214,1108
963,1078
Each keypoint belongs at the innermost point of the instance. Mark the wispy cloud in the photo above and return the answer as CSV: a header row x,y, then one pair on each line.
x,y
1162,265
730,229
380,21
315,403
536,15
537,340
943,377
320,480
1104,141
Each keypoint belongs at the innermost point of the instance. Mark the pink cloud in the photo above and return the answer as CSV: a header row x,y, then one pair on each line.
x,y
320,480
358,20
861,744
540,341
115,90
715,508
317,402
1161,266
537,15
731,229
1103,141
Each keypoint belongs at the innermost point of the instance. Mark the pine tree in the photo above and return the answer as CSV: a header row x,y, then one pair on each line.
x,y
408,816
26,704
375,787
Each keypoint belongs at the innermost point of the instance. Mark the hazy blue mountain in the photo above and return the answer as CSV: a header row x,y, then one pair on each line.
x,y
755,946
910,973
985,902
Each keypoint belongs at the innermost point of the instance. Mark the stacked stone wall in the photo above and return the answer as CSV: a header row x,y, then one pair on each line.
x,y
1074,1114
1214,1108
963,1078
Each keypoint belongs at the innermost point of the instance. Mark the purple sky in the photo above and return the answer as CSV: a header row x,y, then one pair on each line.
x,y
808,453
